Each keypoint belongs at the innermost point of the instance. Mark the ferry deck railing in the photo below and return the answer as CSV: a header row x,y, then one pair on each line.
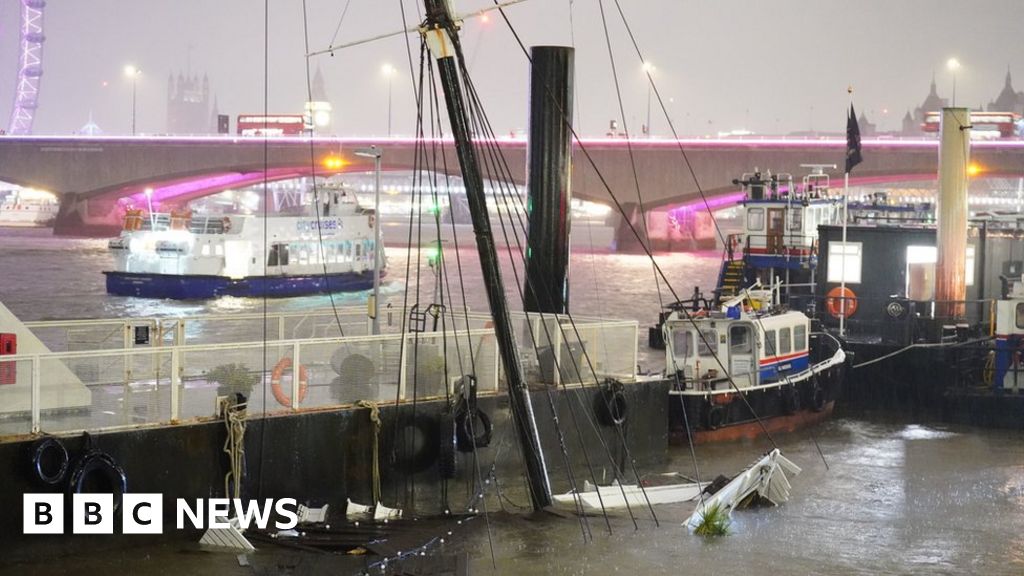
x,y
98,389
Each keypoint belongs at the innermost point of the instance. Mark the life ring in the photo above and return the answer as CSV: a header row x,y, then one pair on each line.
x,y
834,302
611,406
275,382
225,223
49,460
818,399
715,417
473,429
98,472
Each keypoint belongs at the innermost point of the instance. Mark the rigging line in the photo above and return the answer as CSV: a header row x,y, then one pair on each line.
x,y
337,28
494,161
604,183
266,164
629,144
316,195
671,125
508,175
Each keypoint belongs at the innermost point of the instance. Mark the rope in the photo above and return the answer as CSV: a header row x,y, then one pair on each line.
x,y
234,420
912,346
374,409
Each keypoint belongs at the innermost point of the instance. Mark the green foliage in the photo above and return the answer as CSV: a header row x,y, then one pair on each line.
x,y
714,521
233,378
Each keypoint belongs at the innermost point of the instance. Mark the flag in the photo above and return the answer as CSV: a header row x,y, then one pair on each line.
x,y
853,156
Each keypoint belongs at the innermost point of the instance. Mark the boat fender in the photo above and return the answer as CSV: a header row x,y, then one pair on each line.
x,y
98,472
49,460
275,382
448,457
416,443
610,404
818,399
715,418
791,400
834,301
473,429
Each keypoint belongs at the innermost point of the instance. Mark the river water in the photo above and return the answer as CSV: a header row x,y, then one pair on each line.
x,y
900,496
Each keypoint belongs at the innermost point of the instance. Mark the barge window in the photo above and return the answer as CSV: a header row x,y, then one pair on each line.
x,y
755,219
739,340
1020,315
682,343
769,343
844,259
796,218
708,344
800,338
785,341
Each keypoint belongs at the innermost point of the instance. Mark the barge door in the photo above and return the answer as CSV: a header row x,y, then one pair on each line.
x,y
775,230
742,363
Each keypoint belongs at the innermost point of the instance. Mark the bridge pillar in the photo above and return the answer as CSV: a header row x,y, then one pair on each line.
x,y
93,217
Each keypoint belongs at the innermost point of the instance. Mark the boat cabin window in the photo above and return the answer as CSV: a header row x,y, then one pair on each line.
x,y
796,219
682,343
278,255
844,261
785,341
755,219
769,343
800,338
740,340
707,345
1020,315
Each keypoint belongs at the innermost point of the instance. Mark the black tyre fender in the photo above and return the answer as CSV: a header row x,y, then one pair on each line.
x,y
611,406
414,446
715,417
98,472
50,461
818,399
473,429
448,458
790,400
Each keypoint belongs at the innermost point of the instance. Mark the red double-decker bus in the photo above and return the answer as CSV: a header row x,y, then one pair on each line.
x,y
275,125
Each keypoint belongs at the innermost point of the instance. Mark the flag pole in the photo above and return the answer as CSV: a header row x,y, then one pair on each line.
x,y
846,196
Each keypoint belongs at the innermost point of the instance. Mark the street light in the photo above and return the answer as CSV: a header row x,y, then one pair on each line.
x,y
953,65
375,153
388,71
133,73
649,70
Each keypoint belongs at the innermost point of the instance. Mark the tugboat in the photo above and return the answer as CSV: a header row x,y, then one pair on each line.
x,y
747,366
179,255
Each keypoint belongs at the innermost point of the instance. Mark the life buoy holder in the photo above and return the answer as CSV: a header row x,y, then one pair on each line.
x,y
225,223
275,382
834,302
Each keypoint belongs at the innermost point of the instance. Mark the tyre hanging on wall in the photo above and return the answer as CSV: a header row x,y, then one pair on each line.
x,y
50,461
610,404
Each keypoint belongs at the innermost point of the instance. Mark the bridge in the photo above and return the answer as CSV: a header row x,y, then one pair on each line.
x,y
90,174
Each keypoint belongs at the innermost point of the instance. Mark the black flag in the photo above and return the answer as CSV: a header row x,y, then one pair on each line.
x,y
853,156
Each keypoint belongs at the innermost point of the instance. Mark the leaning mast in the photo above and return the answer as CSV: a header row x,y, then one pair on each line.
x,y
440,32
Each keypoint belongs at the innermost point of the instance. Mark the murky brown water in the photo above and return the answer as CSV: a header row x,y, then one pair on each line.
x,y
900,498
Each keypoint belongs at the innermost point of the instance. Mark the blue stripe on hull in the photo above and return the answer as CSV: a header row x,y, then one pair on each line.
x,y
772,372
199,287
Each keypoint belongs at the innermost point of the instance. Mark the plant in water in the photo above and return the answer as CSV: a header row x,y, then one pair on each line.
x,y
714,521
232,379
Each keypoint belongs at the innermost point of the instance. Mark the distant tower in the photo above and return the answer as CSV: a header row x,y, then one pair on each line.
x,y
932,103
909,126
318,109
1009,100
188,105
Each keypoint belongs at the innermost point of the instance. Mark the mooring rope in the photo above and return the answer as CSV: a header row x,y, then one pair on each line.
x,y
234,420
374,409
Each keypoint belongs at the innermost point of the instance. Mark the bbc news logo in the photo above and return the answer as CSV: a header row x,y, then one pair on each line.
x,y
143,513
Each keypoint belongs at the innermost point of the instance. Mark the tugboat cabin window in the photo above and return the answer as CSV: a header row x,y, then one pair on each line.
x,y
796,219
769,343
755,219
785,341
682,343
800,338
739,340
844,261
708,343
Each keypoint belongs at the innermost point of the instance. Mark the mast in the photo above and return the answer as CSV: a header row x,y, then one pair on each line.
x,y
440,32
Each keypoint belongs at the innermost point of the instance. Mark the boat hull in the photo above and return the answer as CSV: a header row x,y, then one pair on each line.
x,y
196,287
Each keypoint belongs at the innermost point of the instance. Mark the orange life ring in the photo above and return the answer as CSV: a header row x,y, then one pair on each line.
x,y
225,223
275,382
834,302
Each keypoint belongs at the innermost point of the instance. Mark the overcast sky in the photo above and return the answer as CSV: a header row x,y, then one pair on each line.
x,y
767,66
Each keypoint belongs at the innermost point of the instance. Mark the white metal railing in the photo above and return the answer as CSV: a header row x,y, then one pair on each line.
x,y
104,389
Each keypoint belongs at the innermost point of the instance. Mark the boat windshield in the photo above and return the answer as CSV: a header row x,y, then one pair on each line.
x,y
708,344
682,343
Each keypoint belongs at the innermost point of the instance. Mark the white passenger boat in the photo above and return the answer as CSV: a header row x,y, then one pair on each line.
x,y
23,209
185,256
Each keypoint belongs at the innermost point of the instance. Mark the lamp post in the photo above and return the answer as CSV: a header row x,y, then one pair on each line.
x,y
388,71
648,71
953,65
132,72
375,153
